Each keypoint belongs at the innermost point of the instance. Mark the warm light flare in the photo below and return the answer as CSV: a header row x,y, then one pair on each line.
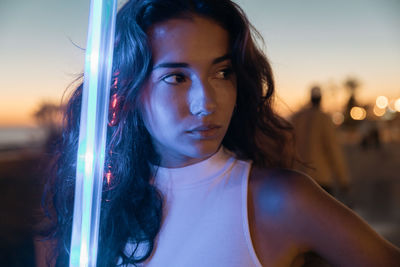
x,y
391,106
397,105
338,118
379,112
108,177
382,102
113,108
358,113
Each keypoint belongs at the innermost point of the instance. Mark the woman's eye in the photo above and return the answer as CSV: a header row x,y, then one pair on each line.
x,y
174,78
224,73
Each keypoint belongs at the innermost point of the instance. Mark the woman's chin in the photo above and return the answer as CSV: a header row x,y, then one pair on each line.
x,y
189,155
206,149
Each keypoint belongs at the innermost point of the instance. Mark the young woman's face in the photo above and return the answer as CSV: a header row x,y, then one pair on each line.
x,y
190,94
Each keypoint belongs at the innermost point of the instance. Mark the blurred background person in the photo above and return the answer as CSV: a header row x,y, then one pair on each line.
x,y
318,146
369,134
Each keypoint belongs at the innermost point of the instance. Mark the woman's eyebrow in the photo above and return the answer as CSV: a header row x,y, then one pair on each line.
x,y
172,65
221,59
186,65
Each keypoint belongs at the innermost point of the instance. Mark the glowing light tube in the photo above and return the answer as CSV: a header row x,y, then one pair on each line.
x,y
92,133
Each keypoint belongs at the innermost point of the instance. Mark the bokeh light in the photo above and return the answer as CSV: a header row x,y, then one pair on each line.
x,y
382,101
379,112
397,105
358,113
338,118
391,105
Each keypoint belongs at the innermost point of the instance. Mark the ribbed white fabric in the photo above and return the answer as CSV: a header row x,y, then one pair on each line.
x,y
205,215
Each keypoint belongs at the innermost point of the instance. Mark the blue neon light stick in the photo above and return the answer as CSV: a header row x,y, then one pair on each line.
x,y
92,133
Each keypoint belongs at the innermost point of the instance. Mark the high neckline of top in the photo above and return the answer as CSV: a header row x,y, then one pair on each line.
x,y
195,174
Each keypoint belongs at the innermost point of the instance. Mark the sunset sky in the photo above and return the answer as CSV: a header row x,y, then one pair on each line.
x,y
308,42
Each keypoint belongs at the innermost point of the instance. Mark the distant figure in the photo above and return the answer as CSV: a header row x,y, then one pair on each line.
x,y
317,145
370,137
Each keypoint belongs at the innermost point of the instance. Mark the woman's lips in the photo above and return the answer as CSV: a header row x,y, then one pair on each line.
x,y
205,131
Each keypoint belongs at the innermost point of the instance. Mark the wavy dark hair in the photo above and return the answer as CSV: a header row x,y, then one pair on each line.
x,y
131,209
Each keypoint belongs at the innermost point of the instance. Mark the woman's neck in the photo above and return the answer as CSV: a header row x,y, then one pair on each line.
x,y
171,160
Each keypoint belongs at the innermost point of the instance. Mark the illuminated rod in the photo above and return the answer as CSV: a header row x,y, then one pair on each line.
x,y
92,133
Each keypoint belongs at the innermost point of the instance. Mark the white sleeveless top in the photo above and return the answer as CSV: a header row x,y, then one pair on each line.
x,y
205,220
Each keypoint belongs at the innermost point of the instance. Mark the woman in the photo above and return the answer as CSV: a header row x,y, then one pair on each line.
x,y
197,159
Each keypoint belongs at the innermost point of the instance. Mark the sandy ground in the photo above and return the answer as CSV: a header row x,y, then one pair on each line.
x,y
374,195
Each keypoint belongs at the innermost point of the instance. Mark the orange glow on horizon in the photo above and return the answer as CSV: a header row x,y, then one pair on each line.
x,y
15,113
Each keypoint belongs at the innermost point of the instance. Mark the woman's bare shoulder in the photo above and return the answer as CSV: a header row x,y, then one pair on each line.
x,y
292,202
283,196
278,188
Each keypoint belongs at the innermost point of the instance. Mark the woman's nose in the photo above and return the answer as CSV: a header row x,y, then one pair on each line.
x,y
202,98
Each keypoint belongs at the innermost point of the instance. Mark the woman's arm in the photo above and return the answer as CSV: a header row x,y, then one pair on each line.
x,y
320,222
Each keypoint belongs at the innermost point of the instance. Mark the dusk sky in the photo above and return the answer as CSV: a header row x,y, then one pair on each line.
x,y
308,42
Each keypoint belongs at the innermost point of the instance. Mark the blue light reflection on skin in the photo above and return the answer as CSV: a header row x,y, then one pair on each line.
x,y
92,133
272,196
271,200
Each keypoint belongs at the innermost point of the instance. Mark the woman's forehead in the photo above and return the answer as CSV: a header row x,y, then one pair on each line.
x,y
197,38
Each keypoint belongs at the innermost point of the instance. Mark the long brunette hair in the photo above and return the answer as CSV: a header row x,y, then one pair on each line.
x,y
131,209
